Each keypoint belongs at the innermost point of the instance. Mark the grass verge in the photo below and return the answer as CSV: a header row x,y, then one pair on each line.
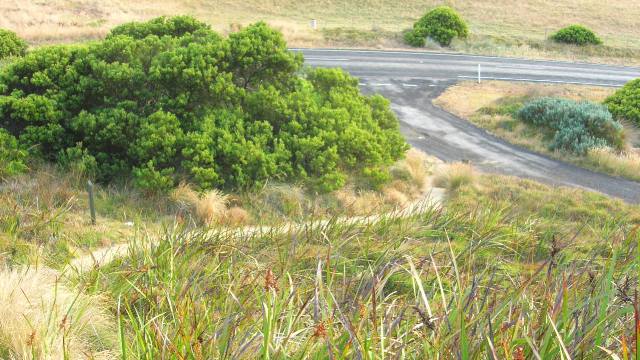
x,y
491,105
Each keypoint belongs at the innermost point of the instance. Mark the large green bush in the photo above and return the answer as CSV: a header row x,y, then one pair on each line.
x,y
576,34
441,24
11,44
577,126
625,103
190,105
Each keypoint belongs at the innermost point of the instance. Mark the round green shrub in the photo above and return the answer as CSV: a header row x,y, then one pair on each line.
x,y
163,103
625,103
577,126
576,34
441,24
11,44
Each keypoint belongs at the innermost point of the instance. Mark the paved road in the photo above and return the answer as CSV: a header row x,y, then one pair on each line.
x,y
412,79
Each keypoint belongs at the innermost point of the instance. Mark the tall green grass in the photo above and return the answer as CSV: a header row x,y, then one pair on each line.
x,y
469,283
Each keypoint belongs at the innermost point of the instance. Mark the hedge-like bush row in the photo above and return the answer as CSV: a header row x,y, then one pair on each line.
x,y
11,44
576,34
441,24
578,126
171,100
625,103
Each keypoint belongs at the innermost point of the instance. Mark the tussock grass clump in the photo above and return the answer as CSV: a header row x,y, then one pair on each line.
x,y
416,164
41,318
209,208
454,176
359,202
236,216
395,196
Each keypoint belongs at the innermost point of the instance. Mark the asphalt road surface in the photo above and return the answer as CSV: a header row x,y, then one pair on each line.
x,y
412,79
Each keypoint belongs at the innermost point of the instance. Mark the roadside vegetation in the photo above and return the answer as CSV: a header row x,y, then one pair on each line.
x,y
441,24
577,35
517,29
625,103
563,121
575,127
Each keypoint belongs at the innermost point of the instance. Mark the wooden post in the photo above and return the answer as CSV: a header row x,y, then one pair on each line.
x,y
92,205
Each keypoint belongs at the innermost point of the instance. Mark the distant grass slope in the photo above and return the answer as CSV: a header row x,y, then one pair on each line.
x,y
498,26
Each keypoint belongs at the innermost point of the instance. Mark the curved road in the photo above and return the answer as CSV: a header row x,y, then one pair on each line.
x,y
412,79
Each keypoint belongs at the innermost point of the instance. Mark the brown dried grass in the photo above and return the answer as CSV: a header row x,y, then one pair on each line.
x,y
42,318
455,175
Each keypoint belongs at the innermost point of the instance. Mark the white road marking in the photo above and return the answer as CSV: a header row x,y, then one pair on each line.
x,y
539,80
381,84
409,85
325,59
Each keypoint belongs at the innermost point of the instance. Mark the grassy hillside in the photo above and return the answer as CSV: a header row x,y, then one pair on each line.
x,y
499,27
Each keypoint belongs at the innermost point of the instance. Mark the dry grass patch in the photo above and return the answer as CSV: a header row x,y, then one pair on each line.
x,y
359,202
236,216
395,196
211,207
454,176
467,97
417,165
625,164
42,318
208,208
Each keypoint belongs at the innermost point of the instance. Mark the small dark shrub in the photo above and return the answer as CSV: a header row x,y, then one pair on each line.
x,y
576,34
625,103
577,126
11,44
441,24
